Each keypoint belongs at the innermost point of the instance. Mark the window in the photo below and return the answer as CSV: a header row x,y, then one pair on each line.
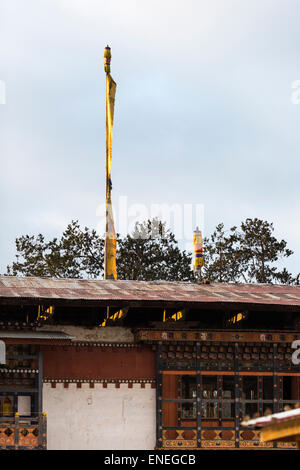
x,y
257,395
228,396
289,390
250,388
209,397
188,391
214,389
268,388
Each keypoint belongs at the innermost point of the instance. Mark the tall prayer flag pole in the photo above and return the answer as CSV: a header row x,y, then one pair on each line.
x,y
110,246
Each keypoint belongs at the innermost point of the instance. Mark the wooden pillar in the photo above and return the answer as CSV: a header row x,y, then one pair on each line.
x,y
40,383
260,396
237,390
280,392
17,430
198,394
42,439
159,421
220,392
275,384
275,380
179,395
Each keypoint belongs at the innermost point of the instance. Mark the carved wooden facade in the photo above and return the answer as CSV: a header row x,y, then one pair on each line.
x,y
207,381
208,371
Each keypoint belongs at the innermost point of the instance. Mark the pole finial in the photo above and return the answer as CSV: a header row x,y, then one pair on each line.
x,y
107,57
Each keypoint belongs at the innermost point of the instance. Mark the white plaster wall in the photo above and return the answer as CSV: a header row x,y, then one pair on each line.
x,y
100,418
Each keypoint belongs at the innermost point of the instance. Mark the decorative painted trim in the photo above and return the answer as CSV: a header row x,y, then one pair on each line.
x,y
217,444
160,336
19,371
98,344
181,444
256,444
104,382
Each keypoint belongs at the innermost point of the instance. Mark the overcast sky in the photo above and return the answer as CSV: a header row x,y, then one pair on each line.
x,y
204,115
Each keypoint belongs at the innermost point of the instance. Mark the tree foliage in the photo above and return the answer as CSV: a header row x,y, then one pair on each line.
x,y
250,253
260,250
79,253
222,262
151,252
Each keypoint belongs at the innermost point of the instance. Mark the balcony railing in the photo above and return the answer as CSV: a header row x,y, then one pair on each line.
x,y
23,433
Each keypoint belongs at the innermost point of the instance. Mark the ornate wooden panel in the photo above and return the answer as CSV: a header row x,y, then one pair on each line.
x,y
15,434
28,437
7,435
180,438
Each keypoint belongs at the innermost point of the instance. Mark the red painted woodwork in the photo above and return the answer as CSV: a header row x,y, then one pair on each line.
x,y
187,423
170,390
86,362
40,341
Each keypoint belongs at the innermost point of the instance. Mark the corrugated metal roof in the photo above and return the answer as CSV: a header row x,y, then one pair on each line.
x,y
146,292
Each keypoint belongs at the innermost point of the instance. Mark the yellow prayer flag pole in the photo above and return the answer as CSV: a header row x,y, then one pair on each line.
x,y
110,246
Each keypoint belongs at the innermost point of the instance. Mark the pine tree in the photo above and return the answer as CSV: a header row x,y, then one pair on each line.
x,y
260,251
151,252
246,254
79,253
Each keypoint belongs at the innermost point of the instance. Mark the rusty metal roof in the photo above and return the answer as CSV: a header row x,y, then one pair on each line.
x,y
14,289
